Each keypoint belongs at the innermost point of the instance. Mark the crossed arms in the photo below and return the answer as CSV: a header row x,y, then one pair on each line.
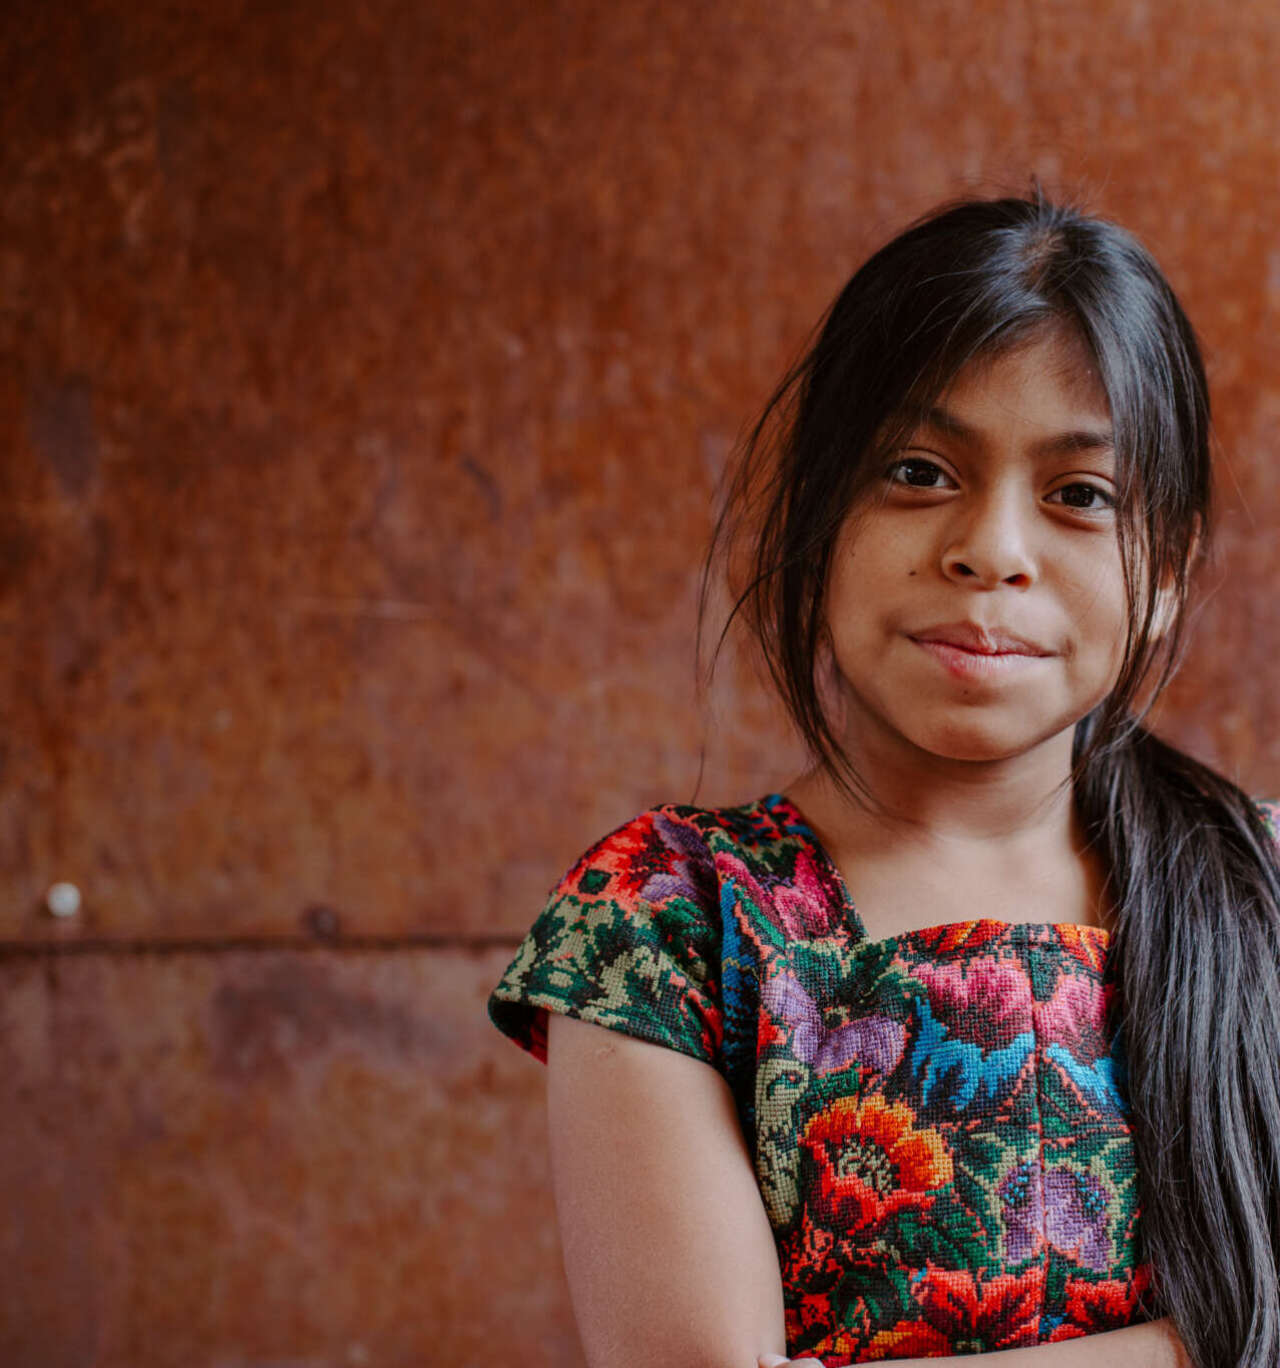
x,y
668,1251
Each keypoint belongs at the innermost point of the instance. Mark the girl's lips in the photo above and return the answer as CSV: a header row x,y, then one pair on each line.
x,y
972,665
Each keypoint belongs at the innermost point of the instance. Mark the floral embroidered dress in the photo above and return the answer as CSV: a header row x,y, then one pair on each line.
x,y
938,1119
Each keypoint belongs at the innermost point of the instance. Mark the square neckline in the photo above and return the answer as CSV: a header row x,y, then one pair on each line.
x,y
779,804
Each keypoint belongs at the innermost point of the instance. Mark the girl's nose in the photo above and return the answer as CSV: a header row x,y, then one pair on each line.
x,y
987,545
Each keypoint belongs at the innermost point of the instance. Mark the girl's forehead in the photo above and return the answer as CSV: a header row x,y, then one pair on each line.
x,y
1046,375
1049,379
1039,400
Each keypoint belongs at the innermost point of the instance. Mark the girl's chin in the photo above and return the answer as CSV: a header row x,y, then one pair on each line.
x,y
973,732
977,744
982,752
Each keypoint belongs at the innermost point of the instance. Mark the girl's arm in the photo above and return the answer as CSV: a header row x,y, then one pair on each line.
x,y
1153,1344
668,1251
667,1247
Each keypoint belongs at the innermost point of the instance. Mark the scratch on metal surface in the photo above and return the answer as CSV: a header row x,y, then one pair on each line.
x,y
400,610
410,610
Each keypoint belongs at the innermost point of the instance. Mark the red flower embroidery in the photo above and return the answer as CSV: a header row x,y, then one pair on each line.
x,y
871,1162
808,1256
981,1314
908,1339
810,1332
768,1033
634,855
1093,1307
812,1313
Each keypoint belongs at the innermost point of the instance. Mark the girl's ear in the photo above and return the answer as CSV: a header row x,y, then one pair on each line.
x,y
1167,595
1166,601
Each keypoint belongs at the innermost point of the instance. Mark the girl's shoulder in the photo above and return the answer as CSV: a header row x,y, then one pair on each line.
x,y
675,846
629,936
633,935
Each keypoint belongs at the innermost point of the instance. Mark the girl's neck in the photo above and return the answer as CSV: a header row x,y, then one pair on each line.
x,y
967,807
940,862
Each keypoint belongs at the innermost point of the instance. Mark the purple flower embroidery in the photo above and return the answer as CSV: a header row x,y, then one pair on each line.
x,y
1076,1217
876,1042
691,870
1022,1201
1069,1210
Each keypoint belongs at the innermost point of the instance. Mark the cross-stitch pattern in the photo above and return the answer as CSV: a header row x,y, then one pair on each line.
x,y
938,1120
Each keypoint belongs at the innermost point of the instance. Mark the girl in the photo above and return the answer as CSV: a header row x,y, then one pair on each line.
x,y
965,1039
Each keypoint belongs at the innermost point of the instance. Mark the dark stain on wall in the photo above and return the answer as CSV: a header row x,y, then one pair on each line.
x,y
60,424
269,1025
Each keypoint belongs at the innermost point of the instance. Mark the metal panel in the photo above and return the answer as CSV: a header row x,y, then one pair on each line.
x,y
312,1158
364,381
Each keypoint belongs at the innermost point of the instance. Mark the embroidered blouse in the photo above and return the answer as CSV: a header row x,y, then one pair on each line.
x,y
938,1120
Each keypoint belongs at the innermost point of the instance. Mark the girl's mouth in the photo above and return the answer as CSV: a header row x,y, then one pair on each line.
x,y
963,664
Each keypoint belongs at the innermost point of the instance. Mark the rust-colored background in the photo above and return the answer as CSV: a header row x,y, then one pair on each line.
x,y
365,374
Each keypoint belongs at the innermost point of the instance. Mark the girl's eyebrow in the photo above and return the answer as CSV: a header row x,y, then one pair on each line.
x,y
1060,443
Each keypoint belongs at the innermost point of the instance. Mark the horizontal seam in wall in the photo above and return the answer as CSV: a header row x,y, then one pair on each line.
x,y
242,944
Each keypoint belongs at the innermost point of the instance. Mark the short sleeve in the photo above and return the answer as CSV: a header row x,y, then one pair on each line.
x,y
629,939
1269,811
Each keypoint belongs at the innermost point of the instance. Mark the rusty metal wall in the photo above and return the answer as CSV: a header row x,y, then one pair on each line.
x,y
365,373
269,1158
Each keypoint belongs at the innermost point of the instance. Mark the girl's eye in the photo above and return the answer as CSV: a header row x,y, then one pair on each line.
x,y
1087,498
917,473
920,474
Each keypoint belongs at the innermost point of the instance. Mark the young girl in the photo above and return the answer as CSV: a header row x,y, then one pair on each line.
x,y
965,1040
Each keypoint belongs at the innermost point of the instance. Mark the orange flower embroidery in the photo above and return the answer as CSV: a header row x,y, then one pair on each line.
x,y
871,1161
967,935
1087,943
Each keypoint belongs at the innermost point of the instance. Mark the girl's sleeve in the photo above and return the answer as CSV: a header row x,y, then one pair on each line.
x,y
629,939
1269,810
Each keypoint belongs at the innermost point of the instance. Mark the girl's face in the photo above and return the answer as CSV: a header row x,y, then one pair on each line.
x,y
998,515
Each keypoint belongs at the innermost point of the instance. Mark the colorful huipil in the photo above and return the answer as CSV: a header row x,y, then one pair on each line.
x,y
938,1120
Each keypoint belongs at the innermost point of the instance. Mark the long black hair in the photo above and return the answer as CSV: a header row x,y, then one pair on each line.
x,y
1193,874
